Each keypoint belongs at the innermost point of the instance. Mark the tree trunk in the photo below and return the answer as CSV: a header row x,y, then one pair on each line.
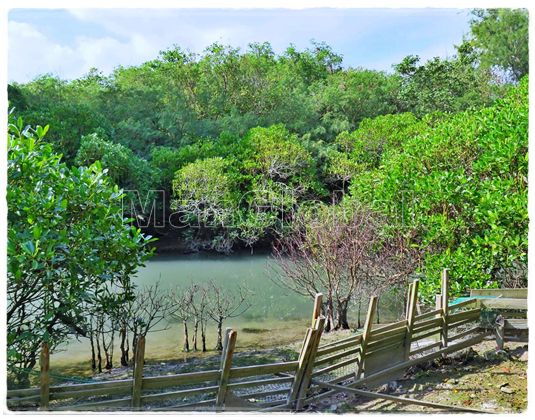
x,y
377,312
93,356
195,330
124,346
341,316
219,345
329,316
359,319
99,356
203,336
186,337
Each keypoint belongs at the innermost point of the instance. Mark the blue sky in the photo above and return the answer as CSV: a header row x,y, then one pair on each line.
x,y
69,42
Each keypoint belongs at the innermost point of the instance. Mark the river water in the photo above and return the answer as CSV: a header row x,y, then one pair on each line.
x,y
277,316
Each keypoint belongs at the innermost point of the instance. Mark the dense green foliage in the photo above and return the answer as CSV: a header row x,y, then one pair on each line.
x,y
240,140
68,246
501,36
459,188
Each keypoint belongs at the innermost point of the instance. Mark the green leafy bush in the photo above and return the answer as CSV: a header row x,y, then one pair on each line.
x,y
459,188
67,243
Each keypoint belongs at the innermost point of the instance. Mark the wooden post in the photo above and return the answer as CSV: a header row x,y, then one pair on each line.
x,y
225,344
44,362
309,365
438,305
301,365
318,300
500,333
226,359
408,299
139,362
372,307
444,307
410,317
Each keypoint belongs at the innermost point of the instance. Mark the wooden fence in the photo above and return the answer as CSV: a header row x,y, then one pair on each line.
x,y
376,355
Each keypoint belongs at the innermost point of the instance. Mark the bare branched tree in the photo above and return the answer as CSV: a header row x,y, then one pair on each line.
x,y
199,309
183,304
341,253
148,312
224,304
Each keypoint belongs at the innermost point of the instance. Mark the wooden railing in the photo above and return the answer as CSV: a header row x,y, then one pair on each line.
x,y
375,355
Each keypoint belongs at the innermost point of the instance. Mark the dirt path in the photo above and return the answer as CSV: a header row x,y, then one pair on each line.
x,y
479,378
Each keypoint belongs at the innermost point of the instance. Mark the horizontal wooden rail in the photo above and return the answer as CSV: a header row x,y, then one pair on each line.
x,y
520,293
260,382
425,348
180,379
426,334
374,336
389,327
337,356
404,365
348,340
426,325
261,394
464,315
115,403
246,371
355,342
118,390
463,334
338,365
505,303
463,304
72,387
428,315
178,394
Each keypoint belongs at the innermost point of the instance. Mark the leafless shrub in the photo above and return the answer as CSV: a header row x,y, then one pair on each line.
x,y
342,253
224,304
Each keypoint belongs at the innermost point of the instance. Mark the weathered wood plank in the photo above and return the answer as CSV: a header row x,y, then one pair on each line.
x,y
372,308
410,317
139,362
316,312
353,343
506,293
505,303
260,382
460,316
178,394
445,284
427,325
463,304
346,353
307,375
115,403
267,369
426,315
191,378
389,327
463,334
44,380
225,368
92,392
425,348
335,366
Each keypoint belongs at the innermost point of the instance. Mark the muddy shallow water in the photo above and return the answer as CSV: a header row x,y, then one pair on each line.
x,y
277,316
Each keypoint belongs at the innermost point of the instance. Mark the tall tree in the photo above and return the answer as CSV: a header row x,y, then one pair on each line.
x,y
501,37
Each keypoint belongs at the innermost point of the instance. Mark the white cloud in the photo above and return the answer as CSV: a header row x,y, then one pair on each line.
x,y
132,36
31,53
